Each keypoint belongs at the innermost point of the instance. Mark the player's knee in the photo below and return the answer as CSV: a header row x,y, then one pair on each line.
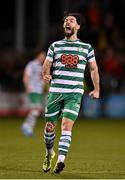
x,y
67,124
50,126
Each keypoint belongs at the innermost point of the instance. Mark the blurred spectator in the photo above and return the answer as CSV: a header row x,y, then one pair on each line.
x,y
113,71
102,42
94,15
11,70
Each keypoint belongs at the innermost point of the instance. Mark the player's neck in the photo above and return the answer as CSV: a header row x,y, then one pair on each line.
x,y
72,38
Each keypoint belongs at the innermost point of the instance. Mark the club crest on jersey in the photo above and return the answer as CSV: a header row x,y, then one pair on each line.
x,y
80,49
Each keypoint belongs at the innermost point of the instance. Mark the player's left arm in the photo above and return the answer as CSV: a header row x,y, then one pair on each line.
x,y
95,79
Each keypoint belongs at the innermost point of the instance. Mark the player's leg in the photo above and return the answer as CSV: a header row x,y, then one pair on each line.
x,y
35,110
70,113
51,115
64,143
49,137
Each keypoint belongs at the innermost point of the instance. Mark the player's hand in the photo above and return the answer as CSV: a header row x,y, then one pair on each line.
x,y
47,78
94,94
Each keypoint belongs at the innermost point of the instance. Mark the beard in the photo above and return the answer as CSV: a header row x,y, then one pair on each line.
x,y
68,32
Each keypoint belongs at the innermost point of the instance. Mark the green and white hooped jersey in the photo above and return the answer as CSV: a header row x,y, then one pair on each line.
x,y
69,61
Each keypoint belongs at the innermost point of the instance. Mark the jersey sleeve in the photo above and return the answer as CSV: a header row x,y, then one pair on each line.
x,y
27,69
91,54
50,53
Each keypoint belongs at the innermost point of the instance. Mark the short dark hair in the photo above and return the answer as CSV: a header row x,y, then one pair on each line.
x,y
37,50
79,18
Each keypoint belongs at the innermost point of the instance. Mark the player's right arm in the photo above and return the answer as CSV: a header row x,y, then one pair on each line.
x,y
48,64
46,71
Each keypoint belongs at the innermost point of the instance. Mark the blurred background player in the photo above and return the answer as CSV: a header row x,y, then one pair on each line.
x,y
34,87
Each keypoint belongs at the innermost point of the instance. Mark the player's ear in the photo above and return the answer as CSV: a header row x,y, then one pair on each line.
x,y
78,27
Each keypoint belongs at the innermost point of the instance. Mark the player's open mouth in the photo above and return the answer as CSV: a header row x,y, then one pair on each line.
x,y
67,29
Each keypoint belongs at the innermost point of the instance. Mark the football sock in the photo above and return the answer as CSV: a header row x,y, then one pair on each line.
x,y
49,138
32,118
64,144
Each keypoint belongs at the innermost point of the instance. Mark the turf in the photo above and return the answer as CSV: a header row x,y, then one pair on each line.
x,y
97,151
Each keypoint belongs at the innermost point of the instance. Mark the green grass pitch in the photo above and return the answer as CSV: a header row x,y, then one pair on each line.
x,y
97,150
